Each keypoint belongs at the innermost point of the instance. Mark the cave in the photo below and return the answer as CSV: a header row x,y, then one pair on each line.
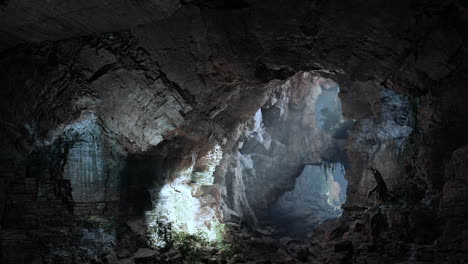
x,y
307,185
250,131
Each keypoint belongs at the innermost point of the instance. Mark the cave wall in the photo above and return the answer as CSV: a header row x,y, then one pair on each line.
x,y
58,20
377,139
64,154
193,79
89,129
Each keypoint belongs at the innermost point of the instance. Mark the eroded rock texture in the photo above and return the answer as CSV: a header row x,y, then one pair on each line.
x,y
283,138
91,120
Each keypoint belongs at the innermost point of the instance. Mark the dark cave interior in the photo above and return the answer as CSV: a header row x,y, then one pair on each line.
x,y
253,131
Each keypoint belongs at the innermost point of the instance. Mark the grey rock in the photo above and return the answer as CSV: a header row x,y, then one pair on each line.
x,y
138,226
143,253
173,84
126,261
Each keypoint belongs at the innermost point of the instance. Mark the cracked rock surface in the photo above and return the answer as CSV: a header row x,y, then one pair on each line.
x,y
101,100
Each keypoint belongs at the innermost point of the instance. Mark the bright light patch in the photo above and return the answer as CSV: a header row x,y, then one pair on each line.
x,y
212,159
177,207
333,188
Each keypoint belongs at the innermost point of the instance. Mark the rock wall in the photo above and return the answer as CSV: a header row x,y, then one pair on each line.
x,y
90,126
377,140
175,84
69,155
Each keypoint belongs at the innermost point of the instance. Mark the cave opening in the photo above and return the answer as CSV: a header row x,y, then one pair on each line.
x,y
204,131
316,186
286,174
318,194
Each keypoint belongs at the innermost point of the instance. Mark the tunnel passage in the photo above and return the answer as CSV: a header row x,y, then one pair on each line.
x,y
320,189
328,112
318,194
293,160
289,158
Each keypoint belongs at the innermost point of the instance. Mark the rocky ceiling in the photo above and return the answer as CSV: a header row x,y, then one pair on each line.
x,y
97,95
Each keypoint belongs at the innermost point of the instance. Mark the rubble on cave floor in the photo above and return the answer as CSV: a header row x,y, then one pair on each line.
x,y
361,239
269,244
263,245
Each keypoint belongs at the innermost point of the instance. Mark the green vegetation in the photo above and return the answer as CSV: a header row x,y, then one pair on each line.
x,y
193,247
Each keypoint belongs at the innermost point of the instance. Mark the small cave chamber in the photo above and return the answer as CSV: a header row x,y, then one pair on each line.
x,y
314,140
318,194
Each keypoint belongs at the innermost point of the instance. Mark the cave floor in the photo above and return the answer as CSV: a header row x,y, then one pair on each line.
x,y
269,244
254,246
265,244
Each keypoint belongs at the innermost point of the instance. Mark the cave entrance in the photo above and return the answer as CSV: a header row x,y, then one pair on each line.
x,y
318,194
311,130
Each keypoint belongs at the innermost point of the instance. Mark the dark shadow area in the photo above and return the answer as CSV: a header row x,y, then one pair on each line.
x,y
140,173
223,4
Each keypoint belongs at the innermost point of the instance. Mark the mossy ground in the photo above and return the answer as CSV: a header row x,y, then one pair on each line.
x,y
193,247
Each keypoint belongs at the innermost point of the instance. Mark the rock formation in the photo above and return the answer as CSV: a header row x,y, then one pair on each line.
x,y
104,104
